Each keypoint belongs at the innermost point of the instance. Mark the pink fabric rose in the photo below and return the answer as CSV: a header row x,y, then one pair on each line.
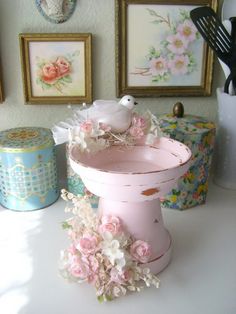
x,y
78,268
93,266
104,127
49,73
141,251
88,244
111,224
139,121
86,126
63,66
121,276
136,132
72,249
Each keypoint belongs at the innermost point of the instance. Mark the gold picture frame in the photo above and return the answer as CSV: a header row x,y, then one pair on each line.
x,y
1,87
56,68
148,62
1,91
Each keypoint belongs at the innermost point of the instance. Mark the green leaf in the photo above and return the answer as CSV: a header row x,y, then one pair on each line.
x,y
43,84
65,225
152,12
76,53
157,22
66,79
100,298
185,15
109,298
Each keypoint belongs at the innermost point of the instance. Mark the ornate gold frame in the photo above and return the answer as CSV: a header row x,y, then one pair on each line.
x,y
25,39
122,87
1,90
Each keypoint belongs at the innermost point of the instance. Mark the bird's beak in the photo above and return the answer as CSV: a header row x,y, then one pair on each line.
x,y
136,103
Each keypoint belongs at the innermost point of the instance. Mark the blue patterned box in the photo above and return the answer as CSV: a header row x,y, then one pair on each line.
x,y
199,135
28,173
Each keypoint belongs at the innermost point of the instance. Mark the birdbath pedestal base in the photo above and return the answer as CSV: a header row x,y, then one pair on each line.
x,y
144,221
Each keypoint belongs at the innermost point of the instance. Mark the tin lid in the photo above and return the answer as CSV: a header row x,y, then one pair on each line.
x,y
25,139
188,124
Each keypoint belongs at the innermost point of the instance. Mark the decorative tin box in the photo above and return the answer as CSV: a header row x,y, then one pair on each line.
x,y
74,183
199,135
28,174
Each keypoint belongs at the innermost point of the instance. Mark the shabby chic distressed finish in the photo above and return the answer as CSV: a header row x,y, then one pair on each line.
x,y
130,181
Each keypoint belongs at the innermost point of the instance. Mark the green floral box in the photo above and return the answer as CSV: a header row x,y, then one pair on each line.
x,y
199,135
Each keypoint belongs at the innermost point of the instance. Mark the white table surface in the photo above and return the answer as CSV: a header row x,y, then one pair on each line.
x,y
201,279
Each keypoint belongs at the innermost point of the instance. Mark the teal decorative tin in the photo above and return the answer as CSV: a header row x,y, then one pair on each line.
x,y
74,183
199,135
28,173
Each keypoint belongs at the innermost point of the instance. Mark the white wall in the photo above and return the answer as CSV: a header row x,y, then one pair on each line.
x,y
96,17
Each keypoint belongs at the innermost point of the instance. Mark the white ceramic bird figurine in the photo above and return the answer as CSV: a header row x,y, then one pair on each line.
x,y
117,115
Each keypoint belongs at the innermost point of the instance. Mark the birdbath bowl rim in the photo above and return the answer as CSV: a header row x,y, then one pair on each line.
x,y
107,159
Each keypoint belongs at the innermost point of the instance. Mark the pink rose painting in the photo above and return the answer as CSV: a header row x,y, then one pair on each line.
x,y
57,67
55,73
170,50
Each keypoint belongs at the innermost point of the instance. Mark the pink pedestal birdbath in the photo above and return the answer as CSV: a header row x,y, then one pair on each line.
x,y
130,181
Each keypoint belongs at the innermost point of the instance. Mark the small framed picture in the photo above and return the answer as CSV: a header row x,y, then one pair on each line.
x,y
159,50
1,90
56,68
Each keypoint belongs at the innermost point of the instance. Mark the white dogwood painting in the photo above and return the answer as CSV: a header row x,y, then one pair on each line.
x,y
164,47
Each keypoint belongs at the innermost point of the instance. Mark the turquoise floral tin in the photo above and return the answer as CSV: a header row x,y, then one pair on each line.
x,y
199,135
28,172
74,183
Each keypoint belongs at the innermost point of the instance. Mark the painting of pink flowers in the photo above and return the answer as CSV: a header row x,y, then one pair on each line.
x,y
1,90
164,54
56,67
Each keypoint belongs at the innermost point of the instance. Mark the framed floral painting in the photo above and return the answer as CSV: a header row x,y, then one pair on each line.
x,y
1,91
56,68
159,50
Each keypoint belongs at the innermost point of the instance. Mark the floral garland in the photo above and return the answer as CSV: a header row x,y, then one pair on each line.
x,y
102,252
92,136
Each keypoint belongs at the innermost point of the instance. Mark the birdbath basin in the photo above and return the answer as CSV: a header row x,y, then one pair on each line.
x,y
130,182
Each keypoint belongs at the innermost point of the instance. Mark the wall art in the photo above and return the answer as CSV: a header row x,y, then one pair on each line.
x,y
56,68
1,90
56,11
159,52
